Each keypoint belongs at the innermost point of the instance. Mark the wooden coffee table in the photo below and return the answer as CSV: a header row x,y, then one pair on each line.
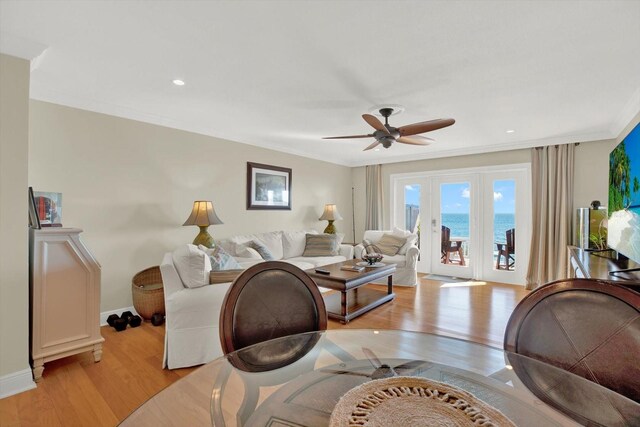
x,y
351,301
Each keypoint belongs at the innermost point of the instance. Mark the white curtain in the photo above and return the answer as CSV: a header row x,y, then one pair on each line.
x,y
552,182
374,198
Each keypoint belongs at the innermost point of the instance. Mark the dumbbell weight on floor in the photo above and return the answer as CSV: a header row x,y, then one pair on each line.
x,y
135,321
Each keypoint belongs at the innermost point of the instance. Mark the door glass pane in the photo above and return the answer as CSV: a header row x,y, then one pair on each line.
x,y
454,220
504,224
412,209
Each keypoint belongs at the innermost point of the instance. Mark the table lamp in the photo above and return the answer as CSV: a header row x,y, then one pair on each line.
x,y
330,214
203,216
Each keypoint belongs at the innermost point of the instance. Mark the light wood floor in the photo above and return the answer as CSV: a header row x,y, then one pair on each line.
x,y
75,391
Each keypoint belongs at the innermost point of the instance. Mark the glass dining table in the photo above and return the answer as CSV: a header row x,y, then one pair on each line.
x,y
298,381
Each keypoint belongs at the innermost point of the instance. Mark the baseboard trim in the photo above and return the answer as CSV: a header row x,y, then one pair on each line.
x,y
105,314
16,382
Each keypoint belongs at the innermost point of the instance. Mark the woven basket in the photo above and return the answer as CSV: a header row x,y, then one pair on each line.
x,y
148,292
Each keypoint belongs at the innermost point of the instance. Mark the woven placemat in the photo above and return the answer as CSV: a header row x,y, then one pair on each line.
x,y
413,401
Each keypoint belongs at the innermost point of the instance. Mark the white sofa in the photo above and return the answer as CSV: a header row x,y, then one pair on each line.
x,y
406,260
192,314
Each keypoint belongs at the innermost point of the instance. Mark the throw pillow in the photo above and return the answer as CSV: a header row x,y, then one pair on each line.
x,y
262,249
244,251
370,247
390,245
294,242
193,266
221,260
321,245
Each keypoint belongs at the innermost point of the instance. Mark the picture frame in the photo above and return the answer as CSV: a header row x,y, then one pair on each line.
x,y
34,221
268,187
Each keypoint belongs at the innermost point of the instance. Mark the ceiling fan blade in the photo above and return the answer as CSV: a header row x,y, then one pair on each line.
x,y
423,127
374,145
375,123
348,137
414,140
412,365
373,359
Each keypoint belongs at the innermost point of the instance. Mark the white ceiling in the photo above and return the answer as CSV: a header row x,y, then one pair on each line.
x,y
283,74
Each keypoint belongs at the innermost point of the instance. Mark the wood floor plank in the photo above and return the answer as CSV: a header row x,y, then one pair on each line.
x,y
9,413
75,391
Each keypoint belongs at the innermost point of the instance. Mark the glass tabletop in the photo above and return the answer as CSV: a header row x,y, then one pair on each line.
x,y
298,380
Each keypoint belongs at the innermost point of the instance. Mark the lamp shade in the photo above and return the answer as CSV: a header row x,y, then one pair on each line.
x,y
330,213
202,214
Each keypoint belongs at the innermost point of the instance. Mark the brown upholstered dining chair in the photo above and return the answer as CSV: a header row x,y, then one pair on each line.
x,y
270,300
507,250
448,247
587,327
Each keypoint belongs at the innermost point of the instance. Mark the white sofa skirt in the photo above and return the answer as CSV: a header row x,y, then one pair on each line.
x,y
192,315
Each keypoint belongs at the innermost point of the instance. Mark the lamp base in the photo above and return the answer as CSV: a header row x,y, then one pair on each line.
x,y
204,238
331,229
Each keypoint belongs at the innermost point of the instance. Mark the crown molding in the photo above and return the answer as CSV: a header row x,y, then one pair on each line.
x,y
596,136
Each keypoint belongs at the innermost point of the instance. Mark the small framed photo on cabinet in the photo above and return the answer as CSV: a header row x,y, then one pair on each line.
x,y
49,208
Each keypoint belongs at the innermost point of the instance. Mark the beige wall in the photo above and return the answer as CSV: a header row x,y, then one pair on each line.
x,y
131,185
14,251
591,176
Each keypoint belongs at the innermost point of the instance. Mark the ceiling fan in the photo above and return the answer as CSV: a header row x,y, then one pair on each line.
x,y
386,134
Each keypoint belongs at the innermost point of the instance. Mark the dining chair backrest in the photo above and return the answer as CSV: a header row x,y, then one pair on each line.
x,y
588,327
272,299
446,237
511,241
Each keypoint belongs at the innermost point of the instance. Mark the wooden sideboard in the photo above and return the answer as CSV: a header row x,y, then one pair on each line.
x,y
65,297
590,265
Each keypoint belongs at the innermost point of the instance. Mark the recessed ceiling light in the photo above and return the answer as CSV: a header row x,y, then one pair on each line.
x,y
178,82
377,149
510,131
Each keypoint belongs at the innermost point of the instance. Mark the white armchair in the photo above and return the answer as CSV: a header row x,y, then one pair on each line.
x,y
406,270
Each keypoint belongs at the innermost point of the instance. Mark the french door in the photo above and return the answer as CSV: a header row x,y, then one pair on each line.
x,y
454,214
469,222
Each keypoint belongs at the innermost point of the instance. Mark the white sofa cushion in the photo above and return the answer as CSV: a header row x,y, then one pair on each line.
x,y
193,265
399,260
293,242
302,265
273,241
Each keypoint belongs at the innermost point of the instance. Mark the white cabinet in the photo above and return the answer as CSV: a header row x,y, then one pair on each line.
x,y
65,297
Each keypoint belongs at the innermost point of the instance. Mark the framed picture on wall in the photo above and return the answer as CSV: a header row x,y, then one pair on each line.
x,y
268,187
34,221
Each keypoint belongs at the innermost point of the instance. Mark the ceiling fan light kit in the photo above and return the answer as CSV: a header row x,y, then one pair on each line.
x,y
386,135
